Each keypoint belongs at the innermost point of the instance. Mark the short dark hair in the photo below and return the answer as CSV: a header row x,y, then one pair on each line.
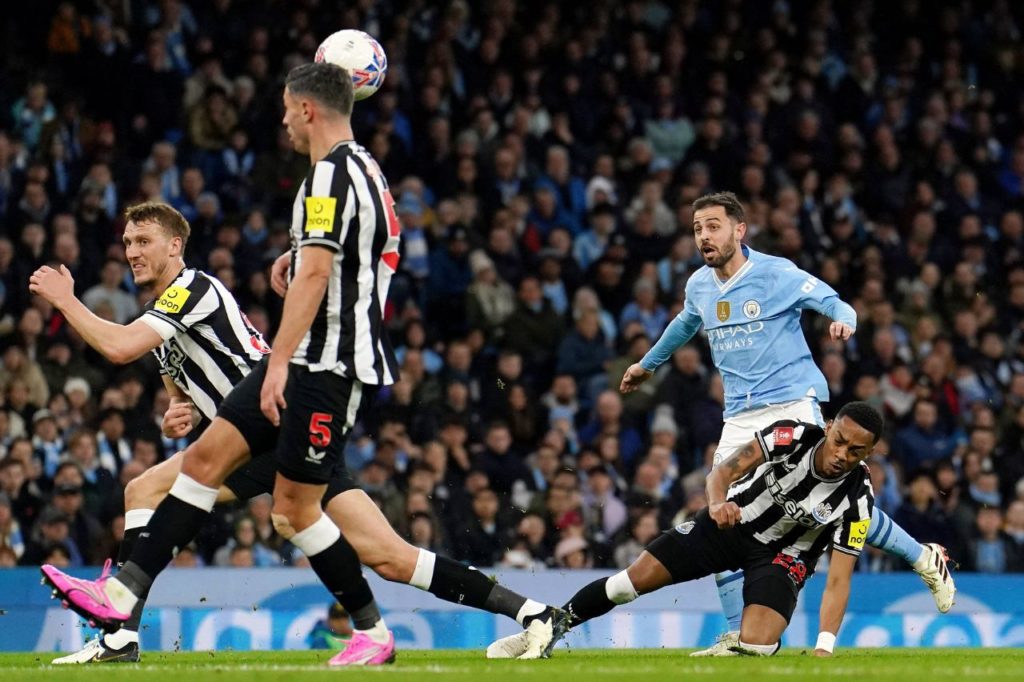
x,y
864,415
727,200
328,84
164,215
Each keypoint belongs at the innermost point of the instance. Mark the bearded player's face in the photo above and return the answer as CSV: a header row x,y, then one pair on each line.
x,y
716,235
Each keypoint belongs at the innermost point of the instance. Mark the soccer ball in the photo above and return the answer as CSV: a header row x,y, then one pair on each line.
x,y
359,54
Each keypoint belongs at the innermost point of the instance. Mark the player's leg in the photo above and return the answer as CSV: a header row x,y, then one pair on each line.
x,y
176,520
736,432
322,409
689,551
142,495
382,550
928,560
770,591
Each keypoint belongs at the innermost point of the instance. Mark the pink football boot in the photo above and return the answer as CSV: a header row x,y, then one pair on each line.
x,y
85,597
362,650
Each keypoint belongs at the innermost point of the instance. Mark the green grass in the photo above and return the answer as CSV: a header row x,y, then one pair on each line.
x,y
655,665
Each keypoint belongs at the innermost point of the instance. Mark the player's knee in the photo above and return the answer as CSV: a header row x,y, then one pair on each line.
x,y
619,588
282,526
387,569
143,491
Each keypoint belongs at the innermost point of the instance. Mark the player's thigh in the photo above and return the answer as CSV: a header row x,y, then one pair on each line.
x,y
150,487
367,529
241,408
254,478
774,582
695,549
219,451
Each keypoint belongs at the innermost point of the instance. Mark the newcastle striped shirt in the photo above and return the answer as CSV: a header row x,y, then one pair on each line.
x,y
787,505
345,205
209,344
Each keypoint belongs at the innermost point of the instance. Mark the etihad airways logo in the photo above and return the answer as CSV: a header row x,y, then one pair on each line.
x,y
735,336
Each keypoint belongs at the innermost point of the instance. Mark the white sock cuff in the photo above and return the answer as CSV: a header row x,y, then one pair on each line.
x,y
529,608
759,649
619,588
318,537
137,518
423,574
193,492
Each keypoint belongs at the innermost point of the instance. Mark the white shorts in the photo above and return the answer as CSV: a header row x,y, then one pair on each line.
x,y
739,430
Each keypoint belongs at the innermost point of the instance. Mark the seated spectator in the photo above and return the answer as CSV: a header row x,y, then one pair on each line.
x,y
992,550
642,531
922,443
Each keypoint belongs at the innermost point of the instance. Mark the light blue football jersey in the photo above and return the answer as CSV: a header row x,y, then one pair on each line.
x,y
752,323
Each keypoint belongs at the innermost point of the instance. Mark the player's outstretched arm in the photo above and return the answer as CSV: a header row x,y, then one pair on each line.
x,y
680,330
118,343
820,297
833,602
733,468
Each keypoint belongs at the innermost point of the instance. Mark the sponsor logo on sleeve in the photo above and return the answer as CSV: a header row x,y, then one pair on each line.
x,y
858,533
320,214
172,300
783,436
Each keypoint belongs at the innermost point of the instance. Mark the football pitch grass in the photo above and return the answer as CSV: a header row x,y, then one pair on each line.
x,y
581,665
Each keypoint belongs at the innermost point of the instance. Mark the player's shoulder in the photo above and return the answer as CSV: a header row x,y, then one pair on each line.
x,y
700,280
769,265
791,431
189,286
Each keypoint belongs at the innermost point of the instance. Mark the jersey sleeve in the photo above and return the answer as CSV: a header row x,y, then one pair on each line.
x,y
328,205
852,528
189,300
783,438
813,294
680,330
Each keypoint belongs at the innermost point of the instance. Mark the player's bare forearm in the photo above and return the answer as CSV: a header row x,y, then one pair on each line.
x,y
837,592
305,292
732,469
118,343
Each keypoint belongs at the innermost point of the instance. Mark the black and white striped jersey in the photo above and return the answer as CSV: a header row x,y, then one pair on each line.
x,y
345,205
209,344
787,505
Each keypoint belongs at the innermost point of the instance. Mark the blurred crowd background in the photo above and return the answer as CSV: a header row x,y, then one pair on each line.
x,y
543,156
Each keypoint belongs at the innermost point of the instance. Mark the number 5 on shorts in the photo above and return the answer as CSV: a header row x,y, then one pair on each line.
x,y
320,430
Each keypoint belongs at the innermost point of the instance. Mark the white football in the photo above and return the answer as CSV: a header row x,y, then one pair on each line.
x,y
359,54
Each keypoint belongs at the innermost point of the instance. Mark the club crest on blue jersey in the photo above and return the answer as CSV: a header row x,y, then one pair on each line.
x,y
752,309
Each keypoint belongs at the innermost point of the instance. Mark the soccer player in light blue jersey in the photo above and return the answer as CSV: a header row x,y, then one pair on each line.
x,y
749,304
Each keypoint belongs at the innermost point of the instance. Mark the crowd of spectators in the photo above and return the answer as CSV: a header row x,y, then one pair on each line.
x,y
543,156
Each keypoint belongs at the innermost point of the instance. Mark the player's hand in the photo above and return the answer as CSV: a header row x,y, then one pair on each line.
x,y
725,514
821,653
633,377
840,330
272,394
177,422
279,273
56,286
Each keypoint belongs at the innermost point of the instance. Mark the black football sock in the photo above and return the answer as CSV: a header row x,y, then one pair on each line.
x,y
590,602
175,522
336,563
131,536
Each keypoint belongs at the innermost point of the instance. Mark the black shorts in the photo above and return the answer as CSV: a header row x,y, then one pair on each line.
x,y
699,547
256,477
322,409
241,408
